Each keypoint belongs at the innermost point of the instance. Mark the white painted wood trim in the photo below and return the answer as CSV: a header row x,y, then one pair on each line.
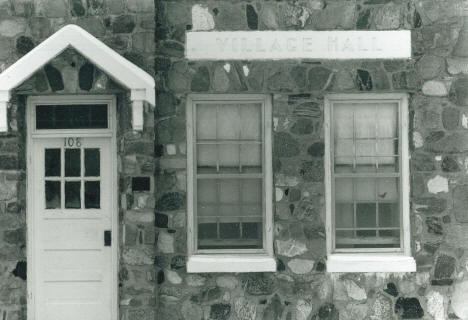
x,y
357,261
259,260
30,124
268,175
230,263
370,263
191,238
405,173
327,168
130,76
3,116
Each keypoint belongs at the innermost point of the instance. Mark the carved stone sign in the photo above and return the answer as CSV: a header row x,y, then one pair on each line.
x,y
274,45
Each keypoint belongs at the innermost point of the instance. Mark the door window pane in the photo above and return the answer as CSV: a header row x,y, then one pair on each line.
x,y
52,162
92,195
75,116
92,162
52,194
72,195
72,162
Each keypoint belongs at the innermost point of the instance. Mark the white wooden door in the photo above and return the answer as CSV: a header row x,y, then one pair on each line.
x,y
72,219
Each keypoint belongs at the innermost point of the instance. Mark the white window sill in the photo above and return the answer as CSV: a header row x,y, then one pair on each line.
x,y
370,263
230,263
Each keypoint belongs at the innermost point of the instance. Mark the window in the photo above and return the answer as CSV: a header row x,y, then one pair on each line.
x,y
367,182
229,183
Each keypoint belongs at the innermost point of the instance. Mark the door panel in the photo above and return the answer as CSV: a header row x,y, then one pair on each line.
x,y
73,206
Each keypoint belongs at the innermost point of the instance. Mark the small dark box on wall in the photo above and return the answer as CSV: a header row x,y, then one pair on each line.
x,y
141,184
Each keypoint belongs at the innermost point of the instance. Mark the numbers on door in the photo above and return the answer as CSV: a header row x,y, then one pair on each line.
x,y
72,142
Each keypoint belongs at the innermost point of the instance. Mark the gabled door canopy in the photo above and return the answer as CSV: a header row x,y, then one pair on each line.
x,y
140,83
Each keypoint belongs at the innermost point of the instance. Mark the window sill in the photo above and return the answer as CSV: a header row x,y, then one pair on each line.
x,y
230,263
370,263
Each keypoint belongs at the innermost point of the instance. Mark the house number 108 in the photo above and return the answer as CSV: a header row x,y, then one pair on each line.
x,y
72,142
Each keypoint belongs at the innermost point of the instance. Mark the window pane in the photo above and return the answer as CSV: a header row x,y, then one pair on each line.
x,y
52,194
228,120
72,162
229,156
364,120
207,231
251,124
366,215
344,189
71,116
230,204
389,215
72,195
206,121
229,230
92,162
92,195
251,156
387,120
344,215
364,189
52,162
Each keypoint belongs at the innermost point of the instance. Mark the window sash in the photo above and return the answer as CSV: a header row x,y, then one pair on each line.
x,y
332,176
197,175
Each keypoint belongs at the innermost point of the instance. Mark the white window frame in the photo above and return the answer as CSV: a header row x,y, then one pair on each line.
x,y
356,260
230,260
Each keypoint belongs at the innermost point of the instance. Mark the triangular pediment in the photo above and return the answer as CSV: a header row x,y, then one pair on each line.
x,y
130,76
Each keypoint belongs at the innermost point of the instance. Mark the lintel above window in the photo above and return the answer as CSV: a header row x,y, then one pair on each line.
x,y
229,170
367,182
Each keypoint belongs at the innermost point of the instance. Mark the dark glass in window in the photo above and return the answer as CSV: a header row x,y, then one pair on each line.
x,y
92,195
72,195
229,230
207,231
52,194
73,116
251,230
52,162
72,162
92,162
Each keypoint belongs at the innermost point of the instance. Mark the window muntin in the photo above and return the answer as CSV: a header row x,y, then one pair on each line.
x,y
366,175
229,175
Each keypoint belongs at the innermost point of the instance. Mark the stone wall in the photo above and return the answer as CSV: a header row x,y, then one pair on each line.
x,y
152,278
127,26
435,78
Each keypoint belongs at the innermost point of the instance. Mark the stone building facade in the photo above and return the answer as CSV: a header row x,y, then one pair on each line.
x,y
152,275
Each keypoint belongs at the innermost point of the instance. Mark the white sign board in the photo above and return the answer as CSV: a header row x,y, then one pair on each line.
x,y
274,45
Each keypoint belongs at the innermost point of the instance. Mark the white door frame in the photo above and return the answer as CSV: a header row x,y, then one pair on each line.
x,y
58,133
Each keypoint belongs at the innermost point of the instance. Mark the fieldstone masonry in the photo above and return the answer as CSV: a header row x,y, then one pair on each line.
x,y
153,247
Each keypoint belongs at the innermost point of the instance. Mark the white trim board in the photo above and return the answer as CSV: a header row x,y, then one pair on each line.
x,y
32,134
140,83
275,45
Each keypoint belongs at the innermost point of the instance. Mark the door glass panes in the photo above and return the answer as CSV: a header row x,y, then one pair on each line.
x,y
92,195
92,162
72,195
74,116
52,162
78,186
52,194
72,162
